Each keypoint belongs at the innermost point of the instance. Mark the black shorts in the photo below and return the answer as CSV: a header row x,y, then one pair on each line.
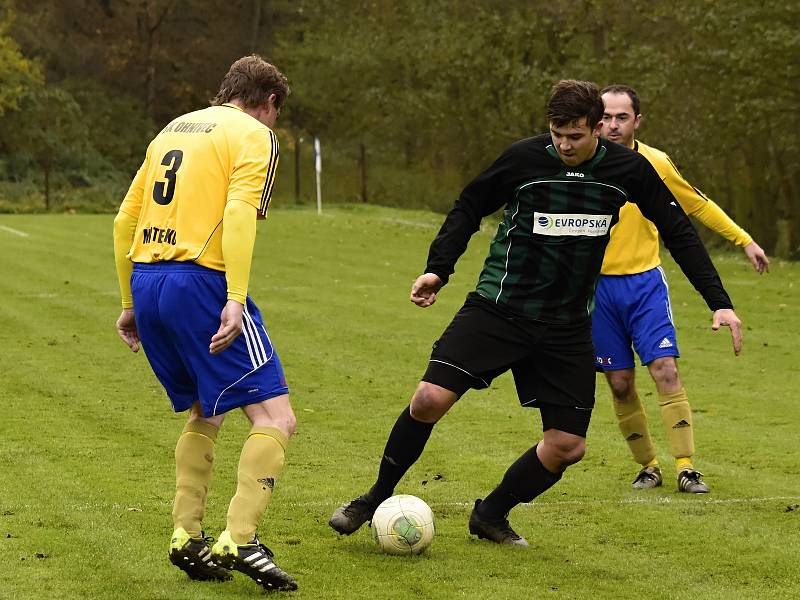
x,y
552,364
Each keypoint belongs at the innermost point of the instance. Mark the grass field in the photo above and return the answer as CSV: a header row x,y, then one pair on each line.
x,y
87,435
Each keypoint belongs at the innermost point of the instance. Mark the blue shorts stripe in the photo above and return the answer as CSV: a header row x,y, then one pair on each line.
x,y
253,342
261,353
667,300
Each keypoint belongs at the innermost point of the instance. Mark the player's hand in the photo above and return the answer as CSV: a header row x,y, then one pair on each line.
x,y
230,327
126,329
423,290
758,258
728,318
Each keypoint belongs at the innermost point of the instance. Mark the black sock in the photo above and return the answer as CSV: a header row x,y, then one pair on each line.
x,y
403,448
523,481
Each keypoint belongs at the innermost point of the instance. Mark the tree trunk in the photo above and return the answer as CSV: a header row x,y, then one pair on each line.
x,y
255,25
148,25
47,186
362,165
150,85
297,167
757,184
783,238
784,244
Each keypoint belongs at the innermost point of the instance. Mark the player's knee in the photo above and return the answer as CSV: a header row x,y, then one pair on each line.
x,y
430,402
290,423
665,373
573,453
621,384
568,450
284,423
285,420
196,414
274,412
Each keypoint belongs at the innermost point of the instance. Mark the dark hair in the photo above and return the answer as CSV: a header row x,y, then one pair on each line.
x,y
624,89
252,80
572,100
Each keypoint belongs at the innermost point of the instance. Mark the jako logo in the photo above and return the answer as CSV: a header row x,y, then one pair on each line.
x,y
575,174
545,222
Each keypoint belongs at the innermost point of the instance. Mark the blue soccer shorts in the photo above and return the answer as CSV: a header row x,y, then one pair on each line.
x,y
632,310
177,306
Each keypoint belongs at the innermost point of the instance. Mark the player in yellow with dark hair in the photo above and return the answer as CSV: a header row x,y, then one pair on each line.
x,y
183,243
632,305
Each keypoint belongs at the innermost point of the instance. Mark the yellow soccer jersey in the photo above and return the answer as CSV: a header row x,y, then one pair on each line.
x,y
633,247
193,167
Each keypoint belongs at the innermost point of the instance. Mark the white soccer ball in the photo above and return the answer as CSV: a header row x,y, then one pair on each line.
x,y
403,524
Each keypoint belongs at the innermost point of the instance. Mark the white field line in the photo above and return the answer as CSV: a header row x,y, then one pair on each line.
x,y
15,231
692,501
39,295
558,504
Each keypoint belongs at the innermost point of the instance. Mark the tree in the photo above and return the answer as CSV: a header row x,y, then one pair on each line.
x,y
423,95
18,74
49,133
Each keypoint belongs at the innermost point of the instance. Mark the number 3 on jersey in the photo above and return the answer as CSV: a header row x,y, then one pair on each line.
x,y
163,191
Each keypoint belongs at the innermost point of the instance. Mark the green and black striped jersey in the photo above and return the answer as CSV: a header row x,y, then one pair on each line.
x,y
548,249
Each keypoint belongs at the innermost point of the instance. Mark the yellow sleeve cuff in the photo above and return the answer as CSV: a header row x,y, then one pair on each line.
x,y
712,216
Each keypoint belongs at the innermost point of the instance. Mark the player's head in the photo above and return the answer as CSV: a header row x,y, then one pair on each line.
x,y
621,116
255,85
574,112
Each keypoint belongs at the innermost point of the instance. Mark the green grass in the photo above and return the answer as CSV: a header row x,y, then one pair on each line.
x,y
87,435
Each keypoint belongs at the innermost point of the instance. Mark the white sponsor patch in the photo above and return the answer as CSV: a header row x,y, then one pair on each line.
x,y
570,224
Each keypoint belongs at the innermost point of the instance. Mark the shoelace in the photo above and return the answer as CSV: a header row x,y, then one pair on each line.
x,y
256,542
209,540
645,474
504,526
355,505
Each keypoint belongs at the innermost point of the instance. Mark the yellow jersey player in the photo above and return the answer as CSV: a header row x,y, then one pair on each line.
x,y
183,244
632,305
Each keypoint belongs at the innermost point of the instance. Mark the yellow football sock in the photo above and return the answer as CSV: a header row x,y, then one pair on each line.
x,y
681,464
260,464
194,458
633,425
677,417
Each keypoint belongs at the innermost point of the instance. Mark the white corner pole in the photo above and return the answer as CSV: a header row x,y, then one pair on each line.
x,y
318,169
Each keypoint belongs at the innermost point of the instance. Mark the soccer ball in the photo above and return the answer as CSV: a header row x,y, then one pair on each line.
x,y
403,525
